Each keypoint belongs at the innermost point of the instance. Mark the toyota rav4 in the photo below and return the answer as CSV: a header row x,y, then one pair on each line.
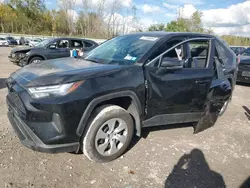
x,y
97,103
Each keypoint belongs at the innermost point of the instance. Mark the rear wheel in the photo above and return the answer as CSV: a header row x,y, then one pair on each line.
x,y
109,134
224,107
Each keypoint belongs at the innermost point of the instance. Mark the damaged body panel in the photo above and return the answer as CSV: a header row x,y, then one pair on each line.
x,y
137,80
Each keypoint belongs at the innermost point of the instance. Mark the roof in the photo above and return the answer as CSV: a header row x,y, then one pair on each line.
x,y
71,38
163,34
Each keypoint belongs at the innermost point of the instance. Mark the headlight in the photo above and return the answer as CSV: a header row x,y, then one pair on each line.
x,y
21,55
53,91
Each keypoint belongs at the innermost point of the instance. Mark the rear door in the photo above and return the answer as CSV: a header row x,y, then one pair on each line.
x,y
221,87
58,49
178,95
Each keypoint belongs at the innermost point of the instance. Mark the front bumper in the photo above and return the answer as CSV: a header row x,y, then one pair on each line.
x,y
46,126
13,59
18,60
31,140
242,79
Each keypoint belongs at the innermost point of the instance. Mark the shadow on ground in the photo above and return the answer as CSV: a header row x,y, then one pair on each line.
x,y
246,184
192,170
247,112
2,83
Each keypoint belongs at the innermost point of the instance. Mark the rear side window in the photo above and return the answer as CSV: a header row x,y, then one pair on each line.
x,y
225,56
77,44
88,44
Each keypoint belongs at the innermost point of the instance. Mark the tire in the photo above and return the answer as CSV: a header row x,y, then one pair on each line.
x,y
98,149
35,60
224,108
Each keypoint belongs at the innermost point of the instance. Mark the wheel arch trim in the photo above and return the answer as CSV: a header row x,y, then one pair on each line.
x,y
94,103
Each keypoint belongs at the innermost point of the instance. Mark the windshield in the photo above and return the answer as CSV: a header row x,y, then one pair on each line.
x,y
122,50
9,38
44,43
246,52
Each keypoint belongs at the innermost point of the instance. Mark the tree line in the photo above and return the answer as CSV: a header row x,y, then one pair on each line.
x,y
70,18
102,20
194,24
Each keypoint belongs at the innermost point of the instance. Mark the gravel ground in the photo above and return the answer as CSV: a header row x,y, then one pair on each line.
x,y
170,156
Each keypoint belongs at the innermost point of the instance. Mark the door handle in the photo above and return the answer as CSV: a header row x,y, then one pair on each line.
x,y
202,81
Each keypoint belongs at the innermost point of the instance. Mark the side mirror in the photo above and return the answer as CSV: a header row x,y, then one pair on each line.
x,y
171,63
52,46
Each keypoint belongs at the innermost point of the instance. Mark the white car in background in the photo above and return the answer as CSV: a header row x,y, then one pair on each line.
x,y
3,42
34,42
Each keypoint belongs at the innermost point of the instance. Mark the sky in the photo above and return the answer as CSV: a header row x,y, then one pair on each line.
x,y
223,16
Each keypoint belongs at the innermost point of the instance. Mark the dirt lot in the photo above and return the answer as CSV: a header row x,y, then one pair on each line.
x,y
166,157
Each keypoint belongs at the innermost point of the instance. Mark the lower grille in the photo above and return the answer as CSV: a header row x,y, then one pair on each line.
x,y
241,66
16,103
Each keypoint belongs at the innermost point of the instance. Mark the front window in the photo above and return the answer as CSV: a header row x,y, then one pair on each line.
x,y
122,50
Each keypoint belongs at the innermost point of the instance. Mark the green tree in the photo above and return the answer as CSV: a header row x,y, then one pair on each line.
x,y
157,27
195,24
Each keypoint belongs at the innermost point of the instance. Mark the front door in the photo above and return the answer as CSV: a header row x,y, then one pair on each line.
x,y
58,49
178,94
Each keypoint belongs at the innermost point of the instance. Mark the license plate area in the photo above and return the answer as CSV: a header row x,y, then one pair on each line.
x,y
246,73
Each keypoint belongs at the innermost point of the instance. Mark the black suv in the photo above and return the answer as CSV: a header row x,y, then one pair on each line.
x,y
49,49
238,50
97,103
244,67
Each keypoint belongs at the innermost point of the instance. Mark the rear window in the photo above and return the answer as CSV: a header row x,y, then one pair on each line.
x,y
77,44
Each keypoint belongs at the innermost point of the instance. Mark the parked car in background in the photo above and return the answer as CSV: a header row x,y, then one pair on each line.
x,y
17,40
3,42
49,49
11,41
34,42
244,67
99,102
22,41
238,50
27,41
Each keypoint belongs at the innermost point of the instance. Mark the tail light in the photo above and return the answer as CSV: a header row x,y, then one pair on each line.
x,y
238,59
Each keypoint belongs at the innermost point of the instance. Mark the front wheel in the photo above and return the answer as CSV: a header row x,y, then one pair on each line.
x,y
109,134
35,60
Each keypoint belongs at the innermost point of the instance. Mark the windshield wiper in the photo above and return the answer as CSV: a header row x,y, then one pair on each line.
x,y
92,60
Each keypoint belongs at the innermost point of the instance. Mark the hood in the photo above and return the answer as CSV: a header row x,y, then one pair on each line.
x,y
21,49
61,71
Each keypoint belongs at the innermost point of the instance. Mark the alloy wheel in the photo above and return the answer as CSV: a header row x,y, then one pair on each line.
x,y
111,137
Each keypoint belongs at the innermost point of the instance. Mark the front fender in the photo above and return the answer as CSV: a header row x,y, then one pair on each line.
x,y
94,103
